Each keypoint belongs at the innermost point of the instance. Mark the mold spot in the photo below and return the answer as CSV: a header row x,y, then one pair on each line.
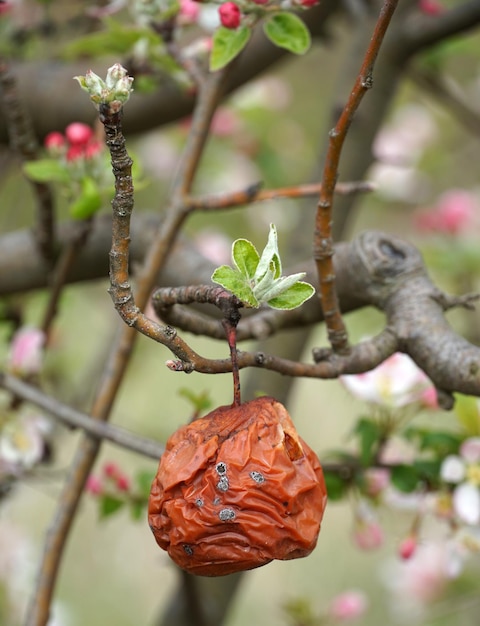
x,y
227,515
199,502
257,477
188,549
216,501
221,468
222,484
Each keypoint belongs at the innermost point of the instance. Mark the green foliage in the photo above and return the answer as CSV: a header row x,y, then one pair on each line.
x,y
369,434
439,443
336,487
116,39
466,409
288,31
227,44
257,279
110,504
200,401
46,171
88,202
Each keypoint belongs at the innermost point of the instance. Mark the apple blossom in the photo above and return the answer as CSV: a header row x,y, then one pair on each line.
x,y
54,142
26,352
21,444
348,605
463,471
396,382
454,212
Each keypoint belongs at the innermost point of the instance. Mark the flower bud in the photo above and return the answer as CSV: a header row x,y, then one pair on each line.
x,y
229,15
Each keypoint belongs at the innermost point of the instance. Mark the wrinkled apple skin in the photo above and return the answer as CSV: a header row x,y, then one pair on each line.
x,y
236,489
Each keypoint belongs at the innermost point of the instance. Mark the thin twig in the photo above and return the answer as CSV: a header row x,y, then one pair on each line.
x,y
61,271
254,193
323,242
23,141
39,608
77,419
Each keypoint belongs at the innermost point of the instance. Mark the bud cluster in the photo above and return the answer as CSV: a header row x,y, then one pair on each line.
x,y
114,91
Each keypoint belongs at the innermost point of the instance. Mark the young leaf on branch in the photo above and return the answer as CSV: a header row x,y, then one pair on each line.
x,y
257,279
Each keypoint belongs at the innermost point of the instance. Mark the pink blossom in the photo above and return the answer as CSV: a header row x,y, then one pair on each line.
x,y
5,6
224,123
376,480
94,485
395,382
189,11
454,212
309,3
430,7
348,605
26,352
78,133
230,15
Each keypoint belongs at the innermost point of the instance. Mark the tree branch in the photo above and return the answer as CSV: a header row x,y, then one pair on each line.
x,y
76,419
323,240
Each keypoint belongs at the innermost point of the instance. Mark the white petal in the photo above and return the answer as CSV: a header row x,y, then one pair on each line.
x,y
453,469
470,450
466,502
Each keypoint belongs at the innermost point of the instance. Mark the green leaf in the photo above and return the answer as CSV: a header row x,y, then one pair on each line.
x,y
110,505
46,171
227,44
467,411
440,442
89,201
293,297
245,257
404,477
288,31
336,487
138,509
369,435
270,256
233,281
201,401
143,482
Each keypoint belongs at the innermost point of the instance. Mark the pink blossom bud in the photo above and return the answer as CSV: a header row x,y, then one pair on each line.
x,y
111,469
75,152
94,485
348,605
407,547
123,483
54,142
78,134
430,7
308,3
92,149
229,15
26,352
